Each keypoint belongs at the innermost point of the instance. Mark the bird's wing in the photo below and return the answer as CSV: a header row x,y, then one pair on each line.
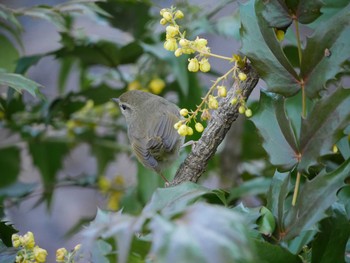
x,y
164,137
143,154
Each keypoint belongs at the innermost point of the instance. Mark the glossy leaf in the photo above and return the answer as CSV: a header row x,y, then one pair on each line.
x,y
9,165
203,233
324,127
276,196
331,36
274,254
330,242
48,157
21,83
6,232
8,54
311,203
252,187
275,128
261,46
266,223
281,14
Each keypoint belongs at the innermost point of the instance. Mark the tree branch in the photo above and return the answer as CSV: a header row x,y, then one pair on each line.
x,y
196,162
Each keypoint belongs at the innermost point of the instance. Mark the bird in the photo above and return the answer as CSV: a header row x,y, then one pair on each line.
x,y
150,123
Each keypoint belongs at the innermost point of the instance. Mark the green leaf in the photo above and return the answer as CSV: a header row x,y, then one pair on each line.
x,y
65,70
269,253
175,199
10,164
324,127
6,232
8,53
282,13
228,26
48,157
20,83
261,46
24,63
276,130
252,187
266,222
203,233
329,244
316,67
276,196
7,254
104,156
311,203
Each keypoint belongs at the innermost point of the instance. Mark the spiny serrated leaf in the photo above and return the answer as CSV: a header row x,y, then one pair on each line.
x,y
6,232
330,242
324,127
203,233
8,54
261,46
275,128
315,197
325,52
20,83
10,164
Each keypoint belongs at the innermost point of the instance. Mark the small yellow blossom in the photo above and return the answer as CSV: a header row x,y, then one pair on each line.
x,y
182,130
248,113
193,65
199,127
205,115
234,101
16,240
178,52
61,254
163,21
28,240
172,31
177,125
167,15
179,14
156,85
184,112
170,44
241,109
279,34
184,42
134,85
222,92
204,65
242,76
40,254
189,131
213,103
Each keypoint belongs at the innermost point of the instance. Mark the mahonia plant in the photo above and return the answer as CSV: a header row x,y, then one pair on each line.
x,y
177,42
28,252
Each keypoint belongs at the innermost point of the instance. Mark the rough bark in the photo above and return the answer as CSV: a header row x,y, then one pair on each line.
x,y
196,161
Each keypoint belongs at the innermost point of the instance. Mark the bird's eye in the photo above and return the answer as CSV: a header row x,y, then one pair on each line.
x,y
123,106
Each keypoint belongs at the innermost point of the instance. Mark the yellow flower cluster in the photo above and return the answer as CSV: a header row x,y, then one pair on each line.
x,y
62,254
28,252
113,189
242,109
176,41
155,86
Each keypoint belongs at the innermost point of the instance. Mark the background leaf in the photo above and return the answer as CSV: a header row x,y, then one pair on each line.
x,y
9,160
269,253
317,68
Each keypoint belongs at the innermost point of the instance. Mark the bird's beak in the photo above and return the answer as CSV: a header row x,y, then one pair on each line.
x,y
116,100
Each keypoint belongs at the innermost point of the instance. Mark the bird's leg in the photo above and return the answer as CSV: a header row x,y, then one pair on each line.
x,y
191,142
165,180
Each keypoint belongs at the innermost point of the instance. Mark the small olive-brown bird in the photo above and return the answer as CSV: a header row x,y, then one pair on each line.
x,y
150,120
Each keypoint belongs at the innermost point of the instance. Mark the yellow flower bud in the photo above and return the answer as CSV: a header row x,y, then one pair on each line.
x,y
193,66
167,15
177,125
189,131
2,115
179,14
213,103
234,101
241,109
103,184
222,92
172,31
16,240
178,52
163,21
61,253
248,113
77,247
156,85
334,150
182,130
28,240
184,42
170,44
162,11
184,112
279,35
134,85
40,254
204,65
242,76
187,50
199,127
200,42
205,115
